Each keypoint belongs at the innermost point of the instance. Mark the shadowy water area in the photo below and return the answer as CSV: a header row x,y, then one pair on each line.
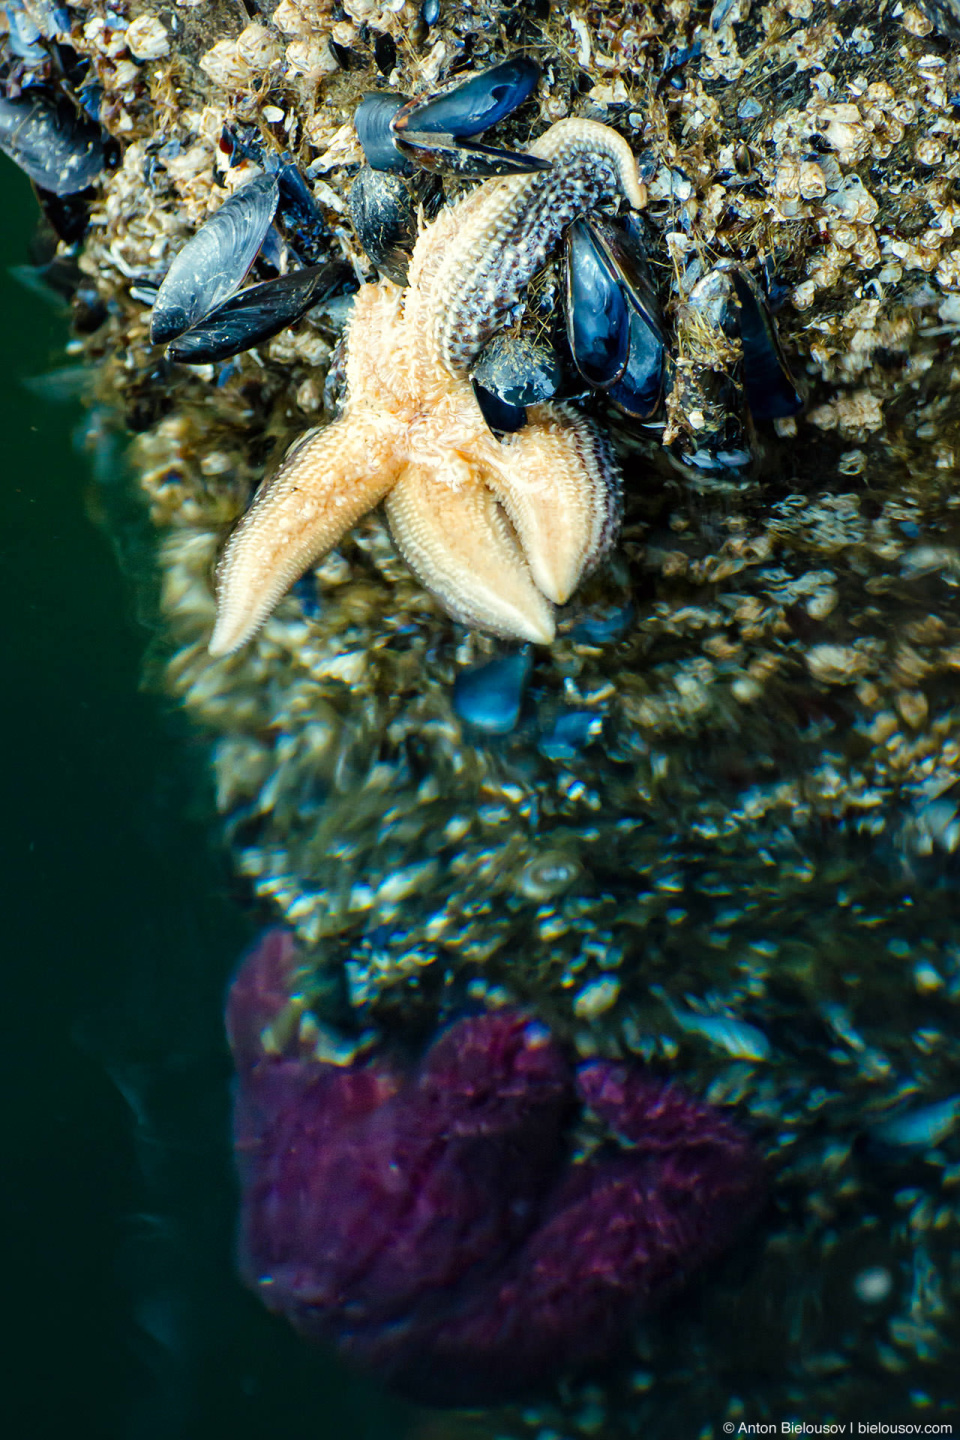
x,y
120,931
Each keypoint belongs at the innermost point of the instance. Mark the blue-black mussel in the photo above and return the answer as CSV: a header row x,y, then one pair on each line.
x,y
730,375
198,311
48,123
53,142
305,231
256,314
437,132
214,263
771,391
383,208
402,139
601,332
515,371
614,326
48,128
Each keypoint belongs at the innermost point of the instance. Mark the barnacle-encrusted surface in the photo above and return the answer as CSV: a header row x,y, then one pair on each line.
x,y
741,866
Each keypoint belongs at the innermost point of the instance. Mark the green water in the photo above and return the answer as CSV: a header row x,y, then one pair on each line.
x,y
120,925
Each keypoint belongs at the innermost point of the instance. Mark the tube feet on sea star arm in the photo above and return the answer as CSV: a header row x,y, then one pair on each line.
x,y
560,486
326,482
458,540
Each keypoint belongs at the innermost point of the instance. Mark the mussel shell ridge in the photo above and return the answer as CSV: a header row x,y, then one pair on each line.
x,y
211,266
449,156
473,105
639,390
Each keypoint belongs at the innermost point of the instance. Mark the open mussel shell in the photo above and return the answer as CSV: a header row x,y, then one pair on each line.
x,y
450,156
598,321
384,217
373,121
58,147
212,265
770,389
468,107
437,132
256,314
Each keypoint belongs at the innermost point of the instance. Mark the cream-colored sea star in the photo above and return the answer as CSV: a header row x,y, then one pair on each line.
x,y
499,530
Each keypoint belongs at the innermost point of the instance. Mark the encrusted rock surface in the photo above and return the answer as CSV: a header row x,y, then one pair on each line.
x,y
722,835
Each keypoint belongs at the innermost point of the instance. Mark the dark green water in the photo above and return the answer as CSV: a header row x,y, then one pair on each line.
x,y
120,928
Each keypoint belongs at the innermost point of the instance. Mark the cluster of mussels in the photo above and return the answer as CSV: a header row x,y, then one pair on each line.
x,y
466,280
614,328
49,107
712,830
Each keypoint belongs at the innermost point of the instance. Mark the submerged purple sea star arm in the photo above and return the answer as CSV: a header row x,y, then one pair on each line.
x,y
428,1222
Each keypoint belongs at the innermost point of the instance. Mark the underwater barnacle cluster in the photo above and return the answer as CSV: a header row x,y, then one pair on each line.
x,y
715,825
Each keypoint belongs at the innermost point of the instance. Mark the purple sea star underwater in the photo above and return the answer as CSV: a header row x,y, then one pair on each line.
x,y
429,1222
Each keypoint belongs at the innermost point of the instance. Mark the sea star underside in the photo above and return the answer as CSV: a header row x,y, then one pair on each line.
x,y
499,530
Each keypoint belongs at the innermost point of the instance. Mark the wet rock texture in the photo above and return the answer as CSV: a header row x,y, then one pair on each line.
x,y
721,834
430,1221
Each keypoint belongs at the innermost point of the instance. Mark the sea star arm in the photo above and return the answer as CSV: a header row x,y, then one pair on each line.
x,y
560,486
619,1233
471,265
326,482
458,540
